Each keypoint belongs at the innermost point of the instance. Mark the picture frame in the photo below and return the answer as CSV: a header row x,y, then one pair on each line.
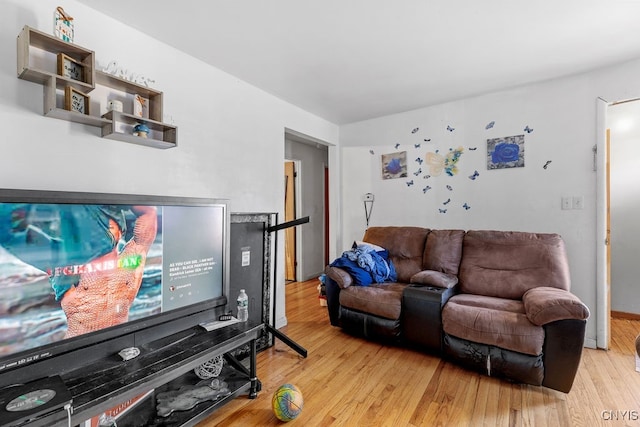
x,y
76,101
70,68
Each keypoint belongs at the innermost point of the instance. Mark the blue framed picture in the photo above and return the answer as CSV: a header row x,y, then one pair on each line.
x,y
505,152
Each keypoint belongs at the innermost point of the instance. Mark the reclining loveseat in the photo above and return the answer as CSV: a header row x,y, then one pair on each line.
x,y
497,302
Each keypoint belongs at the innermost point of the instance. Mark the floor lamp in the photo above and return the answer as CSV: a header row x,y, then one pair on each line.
x,y
270,327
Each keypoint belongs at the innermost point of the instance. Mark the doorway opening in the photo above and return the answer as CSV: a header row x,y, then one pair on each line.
x,y
306,176
618,130
623,136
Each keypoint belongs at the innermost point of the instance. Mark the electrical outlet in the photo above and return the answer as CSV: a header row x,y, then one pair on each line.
x,y
567,203
368,197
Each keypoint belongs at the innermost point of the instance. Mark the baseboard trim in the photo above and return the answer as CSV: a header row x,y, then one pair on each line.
x,y
624,315
280,322
590,343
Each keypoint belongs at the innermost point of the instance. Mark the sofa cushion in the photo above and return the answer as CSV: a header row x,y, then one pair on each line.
x,y
508,263
434,278
380,299
545,305
405,246
443,251
494,321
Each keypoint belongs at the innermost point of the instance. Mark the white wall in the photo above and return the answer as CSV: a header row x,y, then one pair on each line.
x,y
624,122
230,134
562,114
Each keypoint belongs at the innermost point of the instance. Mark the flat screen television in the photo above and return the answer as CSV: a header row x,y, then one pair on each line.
x,y
93,272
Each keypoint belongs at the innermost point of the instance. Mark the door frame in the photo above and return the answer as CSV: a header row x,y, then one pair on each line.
x,y
603,286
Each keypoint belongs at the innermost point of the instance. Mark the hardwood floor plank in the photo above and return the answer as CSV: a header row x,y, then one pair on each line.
x,y
350,381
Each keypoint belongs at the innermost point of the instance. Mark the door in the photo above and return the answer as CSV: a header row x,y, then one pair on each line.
x,y
290,215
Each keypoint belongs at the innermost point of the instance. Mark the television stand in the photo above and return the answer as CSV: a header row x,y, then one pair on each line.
x,y
111,381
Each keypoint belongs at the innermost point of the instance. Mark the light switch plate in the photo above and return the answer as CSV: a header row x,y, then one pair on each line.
x,y
578,202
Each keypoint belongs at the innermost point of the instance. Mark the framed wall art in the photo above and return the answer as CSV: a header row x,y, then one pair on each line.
x,y
394,165
505,152
70,68
75,100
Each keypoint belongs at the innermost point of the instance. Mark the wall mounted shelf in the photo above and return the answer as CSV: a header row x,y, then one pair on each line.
x,y
167,138
33,67
38,56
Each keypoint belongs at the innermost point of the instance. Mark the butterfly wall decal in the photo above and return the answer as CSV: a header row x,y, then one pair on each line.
x,y
527,129
419,160
415,130
474,176
450,129
490,124
409,183
435,162
466,206
425,189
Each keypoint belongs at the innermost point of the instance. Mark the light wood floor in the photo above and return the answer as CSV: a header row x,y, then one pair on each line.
x,y
348,381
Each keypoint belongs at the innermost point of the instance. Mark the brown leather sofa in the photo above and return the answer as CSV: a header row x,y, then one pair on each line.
x,y
497,302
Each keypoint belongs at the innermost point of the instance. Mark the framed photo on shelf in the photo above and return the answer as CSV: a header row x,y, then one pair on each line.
x,y
75,100
70,68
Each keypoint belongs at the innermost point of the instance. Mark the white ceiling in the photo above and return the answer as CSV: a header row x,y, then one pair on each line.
x,y
350,60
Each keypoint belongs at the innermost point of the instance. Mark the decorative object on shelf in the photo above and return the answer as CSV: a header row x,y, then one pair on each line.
x,y
141,130
114,105
75,100
114,69
70,68
62,25
140,106
188,396
129,353
210,368
287,402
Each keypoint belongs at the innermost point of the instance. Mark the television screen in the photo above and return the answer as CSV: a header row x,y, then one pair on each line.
x,y
73,265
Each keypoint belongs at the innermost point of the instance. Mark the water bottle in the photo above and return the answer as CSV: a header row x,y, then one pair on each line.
x,y
243,306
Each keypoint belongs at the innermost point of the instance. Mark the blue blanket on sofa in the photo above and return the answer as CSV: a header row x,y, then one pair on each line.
x,y
367,266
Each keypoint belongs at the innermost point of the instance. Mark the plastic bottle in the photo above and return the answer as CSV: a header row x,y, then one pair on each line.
x,y
243,306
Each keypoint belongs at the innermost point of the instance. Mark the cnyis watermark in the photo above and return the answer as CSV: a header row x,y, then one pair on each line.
x,y
620,415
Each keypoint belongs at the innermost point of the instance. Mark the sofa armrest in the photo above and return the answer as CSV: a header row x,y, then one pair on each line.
x,y
434,278
340,276
545,305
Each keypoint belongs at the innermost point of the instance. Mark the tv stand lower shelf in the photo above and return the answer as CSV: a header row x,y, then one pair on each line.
x,y
164,368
